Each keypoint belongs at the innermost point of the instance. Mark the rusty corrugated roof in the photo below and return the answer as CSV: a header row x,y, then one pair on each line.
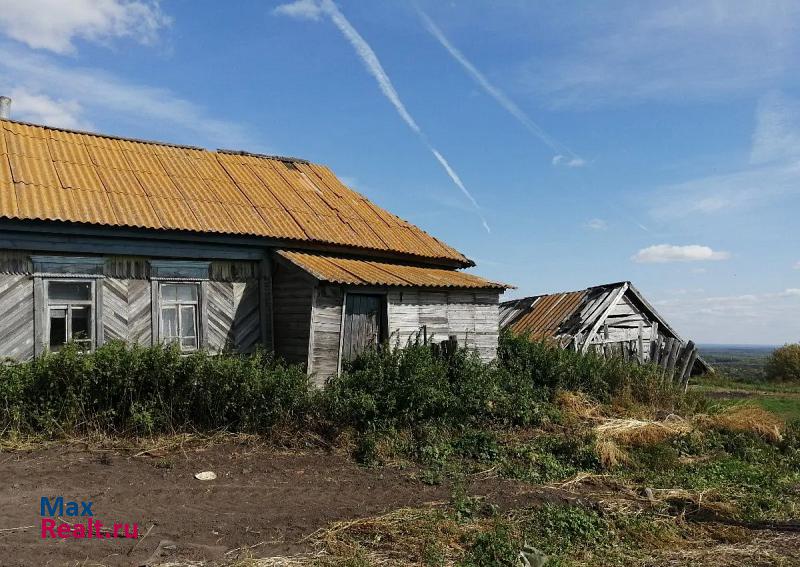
x,y
53,174
350,271
544,318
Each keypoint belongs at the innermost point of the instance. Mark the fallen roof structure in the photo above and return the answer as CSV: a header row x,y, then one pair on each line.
x,y
610,318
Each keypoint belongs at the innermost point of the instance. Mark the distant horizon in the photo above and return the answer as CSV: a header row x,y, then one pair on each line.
x,y
739,345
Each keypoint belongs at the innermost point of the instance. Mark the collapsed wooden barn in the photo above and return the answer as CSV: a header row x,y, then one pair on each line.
x,y
613,319
106,238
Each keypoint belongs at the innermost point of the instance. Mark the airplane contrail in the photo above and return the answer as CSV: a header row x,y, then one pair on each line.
x,y
311,9
563,154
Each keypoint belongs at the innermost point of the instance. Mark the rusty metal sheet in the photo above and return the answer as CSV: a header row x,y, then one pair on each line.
x,y
548,313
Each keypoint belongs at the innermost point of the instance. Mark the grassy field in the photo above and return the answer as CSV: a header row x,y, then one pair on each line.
x,y
740,378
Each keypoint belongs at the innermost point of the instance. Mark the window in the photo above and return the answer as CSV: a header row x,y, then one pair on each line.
x,y
179,314
69,313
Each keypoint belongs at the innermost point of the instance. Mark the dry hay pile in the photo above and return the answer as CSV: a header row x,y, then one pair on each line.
x,y
746,418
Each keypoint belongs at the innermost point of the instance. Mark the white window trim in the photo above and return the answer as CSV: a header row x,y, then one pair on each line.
x,y
201,312
44,306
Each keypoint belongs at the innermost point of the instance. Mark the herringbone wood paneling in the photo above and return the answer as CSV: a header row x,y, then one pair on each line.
x,y
16,323
220,316
126,310
247,316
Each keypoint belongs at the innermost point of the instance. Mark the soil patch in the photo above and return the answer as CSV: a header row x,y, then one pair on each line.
x,y
262,498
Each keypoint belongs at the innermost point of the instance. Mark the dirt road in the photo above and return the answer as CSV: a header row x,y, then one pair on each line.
x,y
261,498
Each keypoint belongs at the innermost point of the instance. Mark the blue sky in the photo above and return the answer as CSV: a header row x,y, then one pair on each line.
x,y
653,142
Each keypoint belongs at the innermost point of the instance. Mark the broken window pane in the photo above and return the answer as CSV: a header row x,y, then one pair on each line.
x,y
58,328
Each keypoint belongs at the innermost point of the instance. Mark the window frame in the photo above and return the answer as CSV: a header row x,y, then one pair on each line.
x,y
179,305
49,305
199,305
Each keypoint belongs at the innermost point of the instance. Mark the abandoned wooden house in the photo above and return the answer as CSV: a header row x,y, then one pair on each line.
x,y
106,238
612,319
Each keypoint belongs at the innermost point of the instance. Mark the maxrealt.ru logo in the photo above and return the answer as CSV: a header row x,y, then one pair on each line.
x,y
85,526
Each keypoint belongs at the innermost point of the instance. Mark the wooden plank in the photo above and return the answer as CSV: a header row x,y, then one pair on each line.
x,y
683,360
640,343
615,297
655,343
688,370
669,369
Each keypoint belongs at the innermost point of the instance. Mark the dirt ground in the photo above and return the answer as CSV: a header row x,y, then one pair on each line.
x,y
262,498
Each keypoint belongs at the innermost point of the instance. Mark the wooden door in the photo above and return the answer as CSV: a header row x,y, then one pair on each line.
x,y
363,324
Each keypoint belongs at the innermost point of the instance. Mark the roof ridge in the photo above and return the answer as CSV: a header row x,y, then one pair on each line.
x,y
263,156
100,135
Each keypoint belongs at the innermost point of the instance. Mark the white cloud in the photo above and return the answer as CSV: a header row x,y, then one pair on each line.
x,y
55,24
777,133
774,169
301,9
42,109
570,159
311,9
575,161
686,49
757,317
662,253
61,94
797,265
597,224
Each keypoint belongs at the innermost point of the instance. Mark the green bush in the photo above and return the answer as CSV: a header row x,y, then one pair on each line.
x,y
784,363
131,389
124,389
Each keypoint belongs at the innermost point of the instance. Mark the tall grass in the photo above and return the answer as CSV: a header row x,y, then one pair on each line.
x,y
136,390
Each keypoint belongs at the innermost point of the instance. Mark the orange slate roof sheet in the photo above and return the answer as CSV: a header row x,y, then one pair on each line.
x,y
547,313
351,271
53,174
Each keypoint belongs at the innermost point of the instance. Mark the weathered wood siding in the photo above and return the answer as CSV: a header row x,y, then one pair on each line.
x,y
126,311
237,316
472,316
291,317
626,322
17,320
326,322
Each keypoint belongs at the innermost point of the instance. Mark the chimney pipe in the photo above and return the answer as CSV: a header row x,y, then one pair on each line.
x,y
5,107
